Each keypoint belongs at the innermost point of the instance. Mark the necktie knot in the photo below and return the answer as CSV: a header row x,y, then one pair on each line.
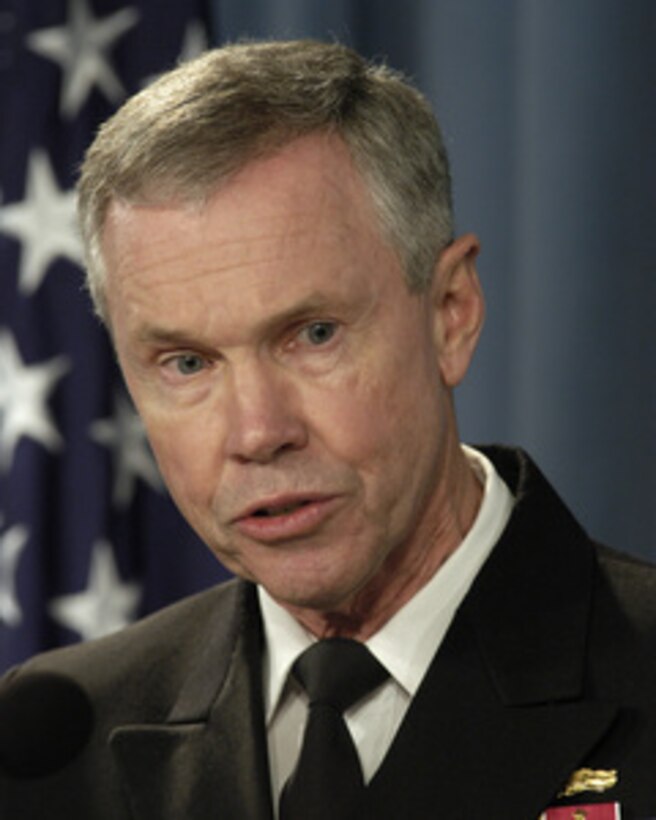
x,y
338,672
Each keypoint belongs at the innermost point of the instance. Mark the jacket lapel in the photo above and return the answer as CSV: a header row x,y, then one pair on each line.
x,y
501,721
209,759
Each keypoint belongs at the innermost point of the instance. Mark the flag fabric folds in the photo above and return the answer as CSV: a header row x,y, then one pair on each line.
x,y
89,540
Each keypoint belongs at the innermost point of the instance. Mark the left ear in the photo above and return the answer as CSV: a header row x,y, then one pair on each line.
x,y
458,307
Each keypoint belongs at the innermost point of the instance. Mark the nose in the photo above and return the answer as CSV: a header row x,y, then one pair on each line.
x,y
264,419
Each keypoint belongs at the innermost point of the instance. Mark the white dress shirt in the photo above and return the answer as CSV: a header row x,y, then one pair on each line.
x,y
405,645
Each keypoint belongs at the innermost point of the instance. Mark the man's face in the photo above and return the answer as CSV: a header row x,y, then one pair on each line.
x,y
289,381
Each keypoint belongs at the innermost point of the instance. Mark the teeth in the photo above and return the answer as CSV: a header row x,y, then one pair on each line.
x,y
267,512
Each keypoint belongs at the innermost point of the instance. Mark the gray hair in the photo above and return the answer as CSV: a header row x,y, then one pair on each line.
x,y
180,138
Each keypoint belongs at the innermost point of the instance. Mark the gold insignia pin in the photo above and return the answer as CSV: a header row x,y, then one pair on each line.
x,y
590,780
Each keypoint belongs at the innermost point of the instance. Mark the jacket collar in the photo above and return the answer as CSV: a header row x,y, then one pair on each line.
x,y
534,639
209,758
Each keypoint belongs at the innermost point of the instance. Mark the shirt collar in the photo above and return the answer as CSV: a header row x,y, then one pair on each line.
x,y
285,640
407,643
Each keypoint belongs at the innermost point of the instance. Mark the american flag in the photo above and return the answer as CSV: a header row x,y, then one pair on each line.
x,y
89,540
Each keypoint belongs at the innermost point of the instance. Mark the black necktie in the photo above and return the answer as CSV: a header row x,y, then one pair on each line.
x,y
327,781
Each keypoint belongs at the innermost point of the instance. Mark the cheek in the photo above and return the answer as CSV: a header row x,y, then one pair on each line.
x,y
378,419
187,458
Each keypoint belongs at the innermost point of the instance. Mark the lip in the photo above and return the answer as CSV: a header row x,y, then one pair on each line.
x,y
297,522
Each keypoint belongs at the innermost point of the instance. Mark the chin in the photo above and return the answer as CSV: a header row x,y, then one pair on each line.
x,y
315,594
314,580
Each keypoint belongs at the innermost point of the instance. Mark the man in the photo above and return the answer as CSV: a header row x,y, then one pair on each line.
x,y
270,243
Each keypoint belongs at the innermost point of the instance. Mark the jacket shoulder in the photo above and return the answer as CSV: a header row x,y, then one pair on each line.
x,y
153,654
630,584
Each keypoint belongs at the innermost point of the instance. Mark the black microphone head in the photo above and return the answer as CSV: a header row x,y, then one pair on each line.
x,y
46,720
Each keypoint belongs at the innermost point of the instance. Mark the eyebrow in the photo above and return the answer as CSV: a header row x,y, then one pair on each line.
x,y
314,303
152,335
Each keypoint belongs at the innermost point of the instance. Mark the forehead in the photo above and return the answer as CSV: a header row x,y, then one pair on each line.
x,y
312,178
303,215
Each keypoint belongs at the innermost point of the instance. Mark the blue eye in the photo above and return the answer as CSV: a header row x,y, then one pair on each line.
x,y
318,333
189,363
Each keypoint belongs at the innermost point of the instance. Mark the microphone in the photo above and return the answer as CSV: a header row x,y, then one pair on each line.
x,y
46,720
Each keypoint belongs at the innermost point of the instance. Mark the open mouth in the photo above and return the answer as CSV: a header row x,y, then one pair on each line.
x,y
286,517
285,509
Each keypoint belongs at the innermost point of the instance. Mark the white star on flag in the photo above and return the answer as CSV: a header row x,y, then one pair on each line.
x,y
81,48
44,222
106,605
133,459
24,393
12,544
